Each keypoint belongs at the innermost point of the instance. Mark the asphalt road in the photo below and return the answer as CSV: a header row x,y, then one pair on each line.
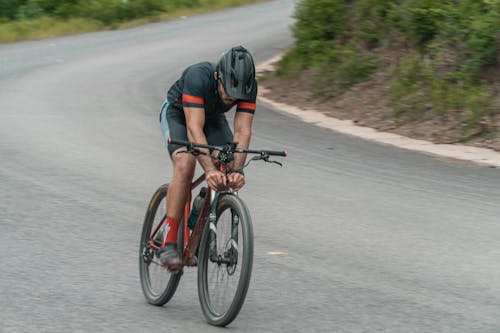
x,y
376,238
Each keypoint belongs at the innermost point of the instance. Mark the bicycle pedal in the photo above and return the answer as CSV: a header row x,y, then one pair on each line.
x,y
179,271
174,269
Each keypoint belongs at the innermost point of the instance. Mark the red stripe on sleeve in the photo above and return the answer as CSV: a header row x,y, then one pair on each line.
x,y
192,99
246,105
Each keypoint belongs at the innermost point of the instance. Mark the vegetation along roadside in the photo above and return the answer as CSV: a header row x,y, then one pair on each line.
x,y
37,19
426,69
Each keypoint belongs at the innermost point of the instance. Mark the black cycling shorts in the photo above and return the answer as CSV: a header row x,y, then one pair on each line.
x,y
173,125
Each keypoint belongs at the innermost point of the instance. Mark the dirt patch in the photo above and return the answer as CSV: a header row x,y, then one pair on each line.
x,y
366,104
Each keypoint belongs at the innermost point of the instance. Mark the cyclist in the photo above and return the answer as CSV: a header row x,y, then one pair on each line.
x,y
194,110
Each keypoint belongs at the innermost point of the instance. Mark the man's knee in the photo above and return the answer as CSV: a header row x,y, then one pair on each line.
x,y
184,165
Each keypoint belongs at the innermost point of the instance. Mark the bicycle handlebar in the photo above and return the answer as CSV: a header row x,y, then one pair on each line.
x,y
229,148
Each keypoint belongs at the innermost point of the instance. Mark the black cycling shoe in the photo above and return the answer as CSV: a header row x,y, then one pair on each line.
x,y
169,257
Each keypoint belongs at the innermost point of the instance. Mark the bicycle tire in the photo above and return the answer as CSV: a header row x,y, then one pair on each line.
x,y
161,295
215,314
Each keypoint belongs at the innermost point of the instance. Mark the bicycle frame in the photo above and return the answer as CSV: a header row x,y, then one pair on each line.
x,y
192,239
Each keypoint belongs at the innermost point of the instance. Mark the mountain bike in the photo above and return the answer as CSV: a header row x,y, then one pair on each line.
x,y
220,244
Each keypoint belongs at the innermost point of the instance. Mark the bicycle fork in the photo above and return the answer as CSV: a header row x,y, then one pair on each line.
x,y
229,256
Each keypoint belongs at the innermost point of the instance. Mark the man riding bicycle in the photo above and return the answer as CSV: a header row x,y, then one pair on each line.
x,y
194,111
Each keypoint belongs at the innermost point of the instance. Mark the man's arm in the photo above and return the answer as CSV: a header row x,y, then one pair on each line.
x,y
242,134
195,120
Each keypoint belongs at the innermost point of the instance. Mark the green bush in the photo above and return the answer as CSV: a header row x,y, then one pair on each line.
x,y
409,88
9,8
319,22
322,46
450,46
342,69
425,19
291,65
372,20
417,89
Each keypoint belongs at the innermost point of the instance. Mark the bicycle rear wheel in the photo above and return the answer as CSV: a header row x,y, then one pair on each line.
x,y
224,277
158,284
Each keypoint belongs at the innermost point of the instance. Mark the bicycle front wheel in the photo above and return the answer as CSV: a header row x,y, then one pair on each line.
x,y
224,271
158,284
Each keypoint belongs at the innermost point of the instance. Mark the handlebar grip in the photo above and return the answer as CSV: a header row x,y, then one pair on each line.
x,y
283,153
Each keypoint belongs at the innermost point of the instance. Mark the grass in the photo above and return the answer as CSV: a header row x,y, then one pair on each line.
x,y
46,27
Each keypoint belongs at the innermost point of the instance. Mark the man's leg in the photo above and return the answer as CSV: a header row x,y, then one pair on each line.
x,y
184,166
173,125
180,185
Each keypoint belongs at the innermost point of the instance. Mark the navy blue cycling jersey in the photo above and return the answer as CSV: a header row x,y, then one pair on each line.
x,y
197,88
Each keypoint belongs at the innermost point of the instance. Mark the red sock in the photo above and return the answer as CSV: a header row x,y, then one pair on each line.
x,y
173,228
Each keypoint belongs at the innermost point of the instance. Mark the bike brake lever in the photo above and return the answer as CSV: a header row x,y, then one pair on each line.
x,y
266,159
276,162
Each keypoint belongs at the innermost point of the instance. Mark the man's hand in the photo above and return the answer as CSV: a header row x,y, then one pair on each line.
x,y
216,180
236,181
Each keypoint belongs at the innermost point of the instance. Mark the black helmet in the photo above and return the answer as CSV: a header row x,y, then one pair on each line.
x,y
236,71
